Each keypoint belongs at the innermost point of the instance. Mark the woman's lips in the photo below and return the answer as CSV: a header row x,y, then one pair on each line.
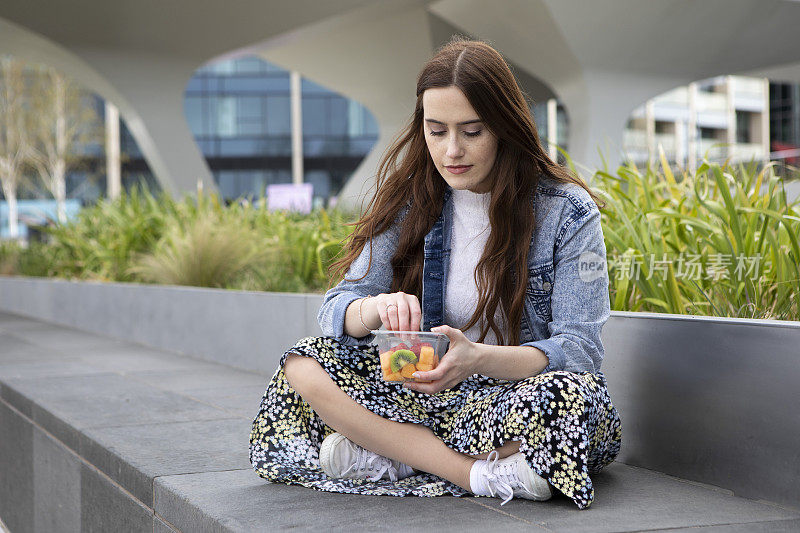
x,y
458,169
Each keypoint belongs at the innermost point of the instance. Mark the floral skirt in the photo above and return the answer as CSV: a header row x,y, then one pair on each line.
x,y
565,423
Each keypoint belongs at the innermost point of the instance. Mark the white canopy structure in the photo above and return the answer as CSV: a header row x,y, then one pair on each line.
x,y
600,58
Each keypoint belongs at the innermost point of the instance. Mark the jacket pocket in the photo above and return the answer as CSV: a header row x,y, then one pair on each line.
x,y
540,291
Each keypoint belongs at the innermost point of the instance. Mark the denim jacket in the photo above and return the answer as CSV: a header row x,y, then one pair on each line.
x,y
567,299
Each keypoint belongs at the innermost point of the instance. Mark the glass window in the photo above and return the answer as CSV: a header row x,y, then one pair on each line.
x,y
226,116
239,146
708,133
370,124
281,146
226,181
271,68
207,146
249,65
561,132
320,181
314,146
193,110
539,112
222,67
742,127
128,144
309,87
280,175
663,127
250,108
278,119
251,128
338,116
355,119
195,84
276,84
314,116
249,84
361,147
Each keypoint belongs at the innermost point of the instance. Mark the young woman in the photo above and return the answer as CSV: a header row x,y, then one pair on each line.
x,y
473,232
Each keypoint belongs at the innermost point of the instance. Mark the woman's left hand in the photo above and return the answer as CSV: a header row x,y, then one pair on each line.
x,y
459,363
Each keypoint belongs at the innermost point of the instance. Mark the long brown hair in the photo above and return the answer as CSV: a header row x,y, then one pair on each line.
x,y
407,177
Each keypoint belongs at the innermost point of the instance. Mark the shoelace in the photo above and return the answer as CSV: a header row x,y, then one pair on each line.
x,y
369,462
501,478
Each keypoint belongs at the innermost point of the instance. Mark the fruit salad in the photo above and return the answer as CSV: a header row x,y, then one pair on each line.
x,y
402,353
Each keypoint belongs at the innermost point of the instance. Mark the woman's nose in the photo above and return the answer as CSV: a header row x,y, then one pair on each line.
x,y
453,148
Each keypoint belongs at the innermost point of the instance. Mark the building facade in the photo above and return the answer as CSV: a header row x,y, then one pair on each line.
x,y
784,120
726,117
240,114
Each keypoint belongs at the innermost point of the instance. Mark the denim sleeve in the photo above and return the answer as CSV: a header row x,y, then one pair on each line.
x,y
580,300
377,280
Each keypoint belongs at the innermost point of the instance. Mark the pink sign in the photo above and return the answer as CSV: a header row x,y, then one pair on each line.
x,y
290,196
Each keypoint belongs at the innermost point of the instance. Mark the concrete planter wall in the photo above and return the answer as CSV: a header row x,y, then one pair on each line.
x,y
709,399
248,330
706,399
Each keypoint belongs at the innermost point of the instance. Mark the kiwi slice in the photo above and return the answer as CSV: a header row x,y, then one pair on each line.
x,y
401,358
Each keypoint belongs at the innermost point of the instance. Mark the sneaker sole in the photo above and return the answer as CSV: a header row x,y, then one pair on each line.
x,y
325,453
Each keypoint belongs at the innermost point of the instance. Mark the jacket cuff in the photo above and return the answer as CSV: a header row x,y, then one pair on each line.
x,y
554,352
339,313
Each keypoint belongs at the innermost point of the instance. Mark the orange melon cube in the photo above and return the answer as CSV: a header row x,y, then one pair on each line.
x,y
407,370
424,367
385,366
393,377
426,355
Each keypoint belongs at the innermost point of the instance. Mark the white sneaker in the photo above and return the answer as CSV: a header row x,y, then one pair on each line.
x,y
509,477
341,458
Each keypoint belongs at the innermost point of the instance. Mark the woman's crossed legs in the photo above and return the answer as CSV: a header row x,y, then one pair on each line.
x,y
377,434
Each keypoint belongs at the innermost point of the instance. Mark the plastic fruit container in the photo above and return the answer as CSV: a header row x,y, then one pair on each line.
x,y
404,352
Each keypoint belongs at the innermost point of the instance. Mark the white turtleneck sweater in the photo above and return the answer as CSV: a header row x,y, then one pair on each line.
x,y
470,233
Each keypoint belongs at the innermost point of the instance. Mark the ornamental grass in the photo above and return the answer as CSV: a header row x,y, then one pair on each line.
x,y
722,241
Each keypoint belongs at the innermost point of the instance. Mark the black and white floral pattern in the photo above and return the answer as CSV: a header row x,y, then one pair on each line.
x,y
565,423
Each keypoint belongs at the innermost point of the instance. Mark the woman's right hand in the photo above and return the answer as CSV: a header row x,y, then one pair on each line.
x,y
398,311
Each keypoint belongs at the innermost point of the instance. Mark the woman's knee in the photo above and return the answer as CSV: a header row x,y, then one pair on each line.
x,y
304,374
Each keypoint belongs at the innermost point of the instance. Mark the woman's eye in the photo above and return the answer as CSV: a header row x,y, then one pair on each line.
x,y
467,133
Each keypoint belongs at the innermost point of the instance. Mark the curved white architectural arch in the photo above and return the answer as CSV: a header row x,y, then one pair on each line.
x,y
601,58
153,126
141,55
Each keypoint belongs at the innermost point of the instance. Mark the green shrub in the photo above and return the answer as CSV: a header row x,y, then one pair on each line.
x,y
143,238
100,242
35,259
733,225
9,256
207,253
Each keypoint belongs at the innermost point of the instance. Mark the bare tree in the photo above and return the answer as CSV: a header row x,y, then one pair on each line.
x,y
14,146
62,121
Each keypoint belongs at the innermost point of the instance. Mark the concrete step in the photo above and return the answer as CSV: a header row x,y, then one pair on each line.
x,y
100,434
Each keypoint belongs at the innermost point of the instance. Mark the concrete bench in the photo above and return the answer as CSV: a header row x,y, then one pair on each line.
x,y
98,433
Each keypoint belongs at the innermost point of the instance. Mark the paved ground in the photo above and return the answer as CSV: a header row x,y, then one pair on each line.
x,y
162,438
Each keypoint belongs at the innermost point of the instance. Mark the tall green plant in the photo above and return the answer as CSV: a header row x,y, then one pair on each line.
x,y
723,241
101,240
207,253
304,245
